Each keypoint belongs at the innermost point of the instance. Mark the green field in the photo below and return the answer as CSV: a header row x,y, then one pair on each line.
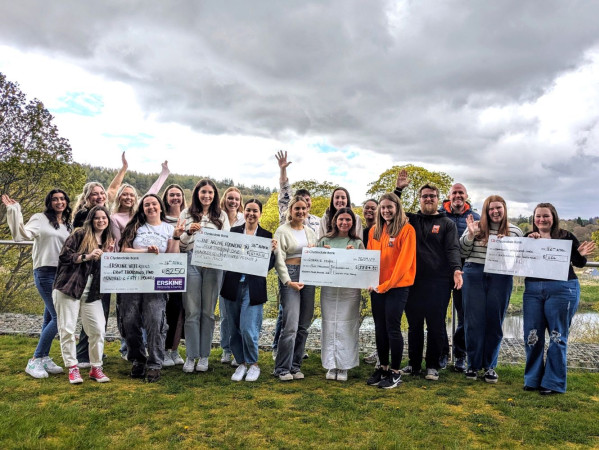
x,y
209,410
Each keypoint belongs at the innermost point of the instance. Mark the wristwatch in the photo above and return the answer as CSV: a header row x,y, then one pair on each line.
x,y
83,258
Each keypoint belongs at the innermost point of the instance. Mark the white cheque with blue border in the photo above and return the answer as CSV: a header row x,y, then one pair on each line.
x,y
143,272
337,267
527,257
234,252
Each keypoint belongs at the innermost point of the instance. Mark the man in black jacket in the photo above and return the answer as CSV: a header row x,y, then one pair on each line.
x,y
438,270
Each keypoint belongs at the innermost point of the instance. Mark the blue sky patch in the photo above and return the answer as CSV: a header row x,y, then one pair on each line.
x,y
81,104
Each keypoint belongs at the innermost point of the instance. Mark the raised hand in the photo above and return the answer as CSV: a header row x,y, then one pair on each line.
x,y
179,228
402,179
164,165
124,160
7,200
586,248
473,227
282,159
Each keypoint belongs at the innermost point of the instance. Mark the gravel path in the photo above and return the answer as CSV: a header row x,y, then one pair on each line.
x,y
582,356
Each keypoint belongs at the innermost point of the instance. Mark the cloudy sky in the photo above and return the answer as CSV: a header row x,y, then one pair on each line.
x,y
503,96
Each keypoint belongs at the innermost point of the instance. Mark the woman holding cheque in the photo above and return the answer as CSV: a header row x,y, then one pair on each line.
x,y
340,306
147,232
77,289
245,296
549,305
485,295
203,283
395,238
297,299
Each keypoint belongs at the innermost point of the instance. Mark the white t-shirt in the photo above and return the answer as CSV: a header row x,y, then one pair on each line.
x,y
157,235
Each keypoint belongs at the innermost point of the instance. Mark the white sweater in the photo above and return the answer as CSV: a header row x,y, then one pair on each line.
x,y
287,245
187,240
47,240
476,251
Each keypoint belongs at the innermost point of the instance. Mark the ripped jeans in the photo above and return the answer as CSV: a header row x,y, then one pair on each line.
x,y
548,305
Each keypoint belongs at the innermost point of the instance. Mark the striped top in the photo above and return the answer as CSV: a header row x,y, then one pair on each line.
x,y
476,251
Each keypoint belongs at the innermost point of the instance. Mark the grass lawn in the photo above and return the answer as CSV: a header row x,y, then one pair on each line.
x,y
209,410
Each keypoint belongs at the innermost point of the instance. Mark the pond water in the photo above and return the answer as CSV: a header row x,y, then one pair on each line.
x,y
581,324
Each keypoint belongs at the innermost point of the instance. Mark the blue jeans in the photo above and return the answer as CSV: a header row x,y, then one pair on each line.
x,y
44,279
225,324
548,305
275,341
245,322
485,299
298,308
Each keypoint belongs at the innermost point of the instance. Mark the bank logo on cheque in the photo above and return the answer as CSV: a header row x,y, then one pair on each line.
x,y
169,283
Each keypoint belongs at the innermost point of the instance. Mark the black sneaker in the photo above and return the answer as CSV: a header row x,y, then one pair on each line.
x,y
460,365
409,370
138,371
491,376
471,374
377,376
391,381
443,361
153,375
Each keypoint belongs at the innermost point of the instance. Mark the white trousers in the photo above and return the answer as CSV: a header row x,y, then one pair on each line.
x,y
92,319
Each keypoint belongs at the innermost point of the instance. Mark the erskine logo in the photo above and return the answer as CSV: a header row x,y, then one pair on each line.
x,y
169,284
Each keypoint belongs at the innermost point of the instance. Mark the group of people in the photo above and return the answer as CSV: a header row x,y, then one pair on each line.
x,y
426,258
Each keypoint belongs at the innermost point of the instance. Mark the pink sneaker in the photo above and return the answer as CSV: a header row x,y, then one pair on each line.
x,y
74,375
97,374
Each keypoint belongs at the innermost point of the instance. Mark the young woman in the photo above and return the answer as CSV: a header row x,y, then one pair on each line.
x,y
147,232
485,295
549,305
94,195
203,284
232,204
174,202
123,209
339,199
369,209
297,300
395,238
245,296
340,306
48,230
77,288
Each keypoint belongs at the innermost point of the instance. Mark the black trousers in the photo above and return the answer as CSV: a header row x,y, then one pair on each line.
x,y
427,302
387,310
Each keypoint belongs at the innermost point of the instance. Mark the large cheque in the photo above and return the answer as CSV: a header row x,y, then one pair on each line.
x,y
527,257
143,272
337,267
234,252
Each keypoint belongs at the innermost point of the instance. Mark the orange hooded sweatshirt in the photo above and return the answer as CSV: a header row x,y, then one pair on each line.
x,y
398,262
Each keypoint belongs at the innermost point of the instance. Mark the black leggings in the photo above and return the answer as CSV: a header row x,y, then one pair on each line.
x,y
387,310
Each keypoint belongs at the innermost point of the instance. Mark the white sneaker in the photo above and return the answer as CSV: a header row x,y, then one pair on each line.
x,y
234,363
168,360
239,373
84,365
227,357
50,366
253,373
298,376
189,365
341,375
176,357
35,368
274,354
331,374
202,365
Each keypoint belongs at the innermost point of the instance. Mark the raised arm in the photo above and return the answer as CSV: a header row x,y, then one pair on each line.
x,y
14,218
117,181
164,173
284,186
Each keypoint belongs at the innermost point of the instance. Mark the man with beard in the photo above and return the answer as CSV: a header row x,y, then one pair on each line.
x,y
438,269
